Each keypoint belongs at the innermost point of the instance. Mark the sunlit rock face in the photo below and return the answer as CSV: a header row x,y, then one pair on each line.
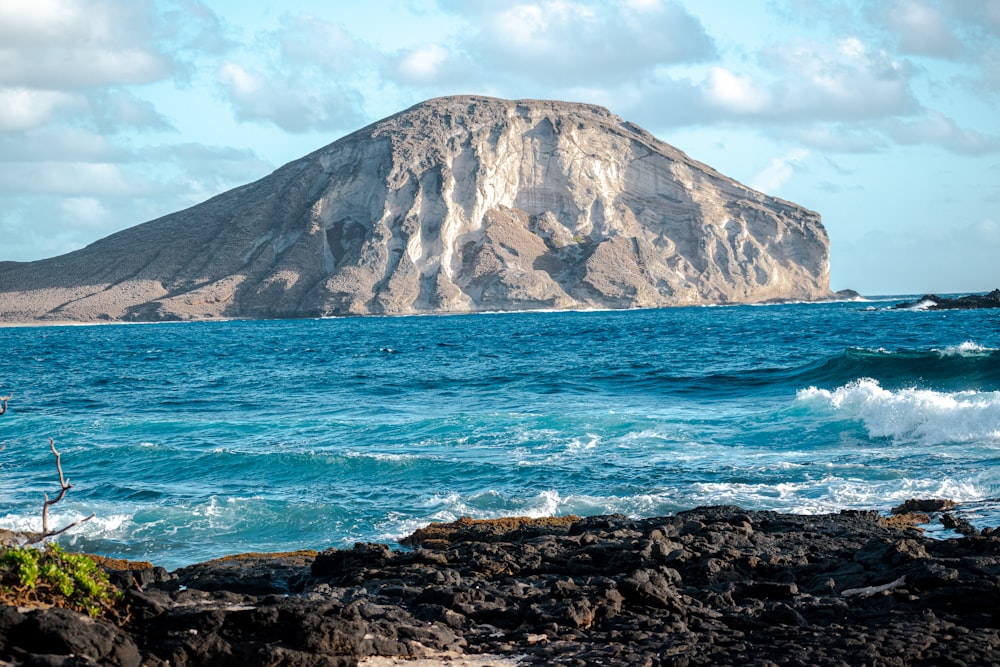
x,y
458,204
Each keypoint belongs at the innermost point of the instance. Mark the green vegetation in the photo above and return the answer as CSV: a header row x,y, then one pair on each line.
x,y
51,576
48,575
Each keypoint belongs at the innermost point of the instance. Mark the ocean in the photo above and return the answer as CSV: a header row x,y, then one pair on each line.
x,y
190,441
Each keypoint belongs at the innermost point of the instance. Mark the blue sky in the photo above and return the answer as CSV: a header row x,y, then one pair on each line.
x,y
879,114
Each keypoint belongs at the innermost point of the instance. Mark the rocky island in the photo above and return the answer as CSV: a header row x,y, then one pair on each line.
x,y
968,302
710,586
458,204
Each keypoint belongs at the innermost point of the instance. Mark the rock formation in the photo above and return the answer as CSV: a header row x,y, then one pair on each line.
x,y
458,204
968,302
711,586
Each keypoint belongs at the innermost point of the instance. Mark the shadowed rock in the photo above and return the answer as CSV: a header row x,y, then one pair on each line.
x,y
711,586
969,302
458,204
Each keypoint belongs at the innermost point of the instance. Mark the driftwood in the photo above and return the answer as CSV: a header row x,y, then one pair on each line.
x,y
3,410
64,486
868,591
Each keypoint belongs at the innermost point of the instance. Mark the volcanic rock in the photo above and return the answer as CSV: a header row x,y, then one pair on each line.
x,y
458,204
710,586
968,302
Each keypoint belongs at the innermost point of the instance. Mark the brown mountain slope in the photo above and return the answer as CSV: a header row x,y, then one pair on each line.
x,y
457,204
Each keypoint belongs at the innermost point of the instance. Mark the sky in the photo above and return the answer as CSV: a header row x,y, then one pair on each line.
x,y
881,115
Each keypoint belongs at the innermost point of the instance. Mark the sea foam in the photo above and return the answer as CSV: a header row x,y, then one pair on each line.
x,y
914,415
967,349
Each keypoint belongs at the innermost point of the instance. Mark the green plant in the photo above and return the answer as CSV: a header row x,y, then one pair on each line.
x,y
23,565
50,575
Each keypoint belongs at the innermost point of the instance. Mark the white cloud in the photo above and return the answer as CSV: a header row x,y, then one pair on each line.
x,y
937,129
240,82
74,44
736,93
308,39
830,96
194,172
950,29
304,76
780,170
643,5
96,189
966,32
71,62
845,81
922,28
838,137
22,108
424,63
85,211
64,143
299,101
117,108
578,42
67,179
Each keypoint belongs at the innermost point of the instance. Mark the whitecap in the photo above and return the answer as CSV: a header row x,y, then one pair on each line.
x,y
923,304
967,349
545,503
577,445
99,525
914,415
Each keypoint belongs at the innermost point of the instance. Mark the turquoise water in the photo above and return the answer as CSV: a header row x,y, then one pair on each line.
x,y
194,440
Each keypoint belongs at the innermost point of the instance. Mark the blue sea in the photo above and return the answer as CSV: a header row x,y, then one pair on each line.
x,y
190,441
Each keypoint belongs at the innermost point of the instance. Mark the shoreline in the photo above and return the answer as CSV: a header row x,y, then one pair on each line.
x,y
834,298
714,585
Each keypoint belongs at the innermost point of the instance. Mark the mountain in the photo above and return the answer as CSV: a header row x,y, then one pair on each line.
x,y
457,204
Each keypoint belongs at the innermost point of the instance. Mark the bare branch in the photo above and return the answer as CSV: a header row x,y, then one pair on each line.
x,y
64,486
868,591
44,535
3,409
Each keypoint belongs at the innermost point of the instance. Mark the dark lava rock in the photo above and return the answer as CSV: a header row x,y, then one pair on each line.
x,y
924,505
60,636
712,586
969,302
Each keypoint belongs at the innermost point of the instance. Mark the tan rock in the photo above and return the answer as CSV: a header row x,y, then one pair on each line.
x,y
458,204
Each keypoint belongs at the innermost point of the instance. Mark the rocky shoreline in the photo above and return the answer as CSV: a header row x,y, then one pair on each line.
x,y
711,586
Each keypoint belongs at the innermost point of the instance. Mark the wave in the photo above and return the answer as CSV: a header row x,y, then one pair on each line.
x,y
968,366
923,416
967,349
817,496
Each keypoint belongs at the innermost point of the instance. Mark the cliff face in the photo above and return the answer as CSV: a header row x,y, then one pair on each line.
x,y
457,204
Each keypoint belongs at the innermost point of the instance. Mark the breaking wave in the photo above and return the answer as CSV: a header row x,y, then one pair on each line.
x,y
921,415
